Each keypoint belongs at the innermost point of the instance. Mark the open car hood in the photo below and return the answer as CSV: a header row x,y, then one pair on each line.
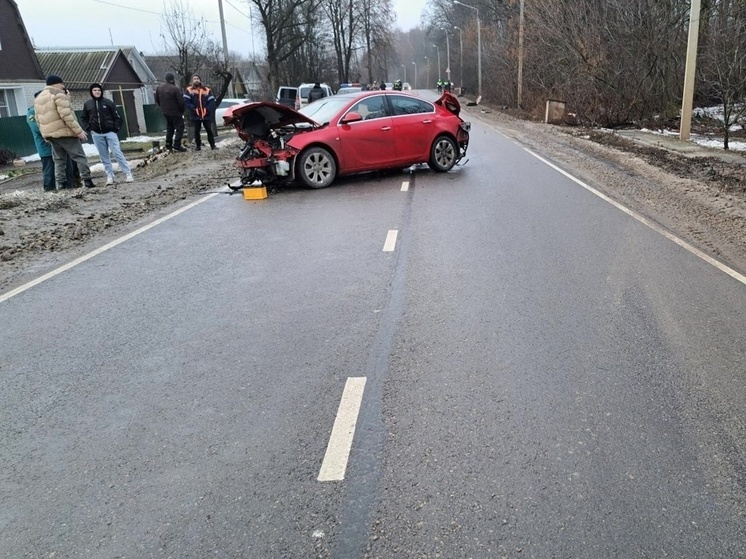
x,y
449,102
264,114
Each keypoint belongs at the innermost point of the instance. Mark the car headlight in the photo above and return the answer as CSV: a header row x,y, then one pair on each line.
x,y
466,126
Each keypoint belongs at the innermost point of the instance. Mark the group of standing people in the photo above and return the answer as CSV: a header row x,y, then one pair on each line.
x,y
198,99
58,135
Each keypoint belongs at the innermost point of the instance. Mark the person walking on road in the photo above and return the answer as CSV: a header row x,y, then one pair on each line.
x,y
200,101
170,99
58,125
101,119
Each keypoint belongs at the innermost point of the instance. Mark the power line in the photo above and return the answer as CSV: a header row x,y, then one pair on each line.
x,y
239,11
128,8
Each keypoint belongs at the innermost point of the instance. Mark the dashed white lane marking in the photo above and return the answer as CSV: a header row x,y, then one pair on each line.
x,y
405,186
390,243
655,227
340,442
99,250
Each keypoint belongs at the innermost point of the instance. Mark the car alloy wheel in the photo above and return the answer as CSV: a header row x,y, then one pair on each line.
x,y
316,168
443,154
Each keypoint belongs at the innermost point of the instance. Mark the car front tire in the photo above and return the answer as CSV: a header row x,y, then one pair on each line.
x,y
443,154
316,168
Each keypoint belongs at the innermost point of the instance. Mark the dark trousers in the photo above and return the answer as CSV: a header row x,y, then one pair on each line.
x,y
47,169
208,129
174,124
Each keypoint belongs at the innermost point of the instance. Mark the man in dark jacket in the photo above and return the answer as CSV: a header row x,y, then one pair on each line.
x,y
317,92
170,99
101,119
200,101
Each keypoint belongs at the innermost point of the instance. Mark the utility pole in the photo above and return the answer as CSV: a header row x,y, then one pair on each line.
x,y
461,51
225,45
520,56
687,102
448,57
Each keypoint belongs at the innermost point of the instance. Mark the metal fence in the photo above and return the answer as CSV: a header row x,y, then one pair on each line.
x,y
154,121
15,135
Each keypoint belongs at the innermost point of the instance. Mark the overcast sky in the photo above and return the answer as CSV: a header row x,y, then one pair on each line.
x,y
138,23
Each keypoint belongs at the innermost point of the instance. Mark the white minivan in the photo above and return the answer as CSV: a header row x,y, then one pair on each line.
x,y
287,95
305,88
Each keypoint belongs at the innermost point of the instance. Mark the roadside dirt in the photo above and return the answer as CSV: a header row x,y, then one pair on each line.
x,y
701,199
40,230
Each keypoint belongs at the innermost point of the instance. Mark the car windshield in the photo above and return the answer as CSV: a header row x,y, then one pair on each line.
x,y
323,110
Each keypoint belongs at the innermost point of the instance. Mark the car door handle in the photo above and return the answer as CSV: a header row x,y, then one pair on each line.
x,y
427,121
385,128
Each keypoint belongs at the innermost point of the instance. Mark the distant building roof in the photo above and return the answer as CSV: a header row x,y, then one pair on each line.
x,y
80,68
133,55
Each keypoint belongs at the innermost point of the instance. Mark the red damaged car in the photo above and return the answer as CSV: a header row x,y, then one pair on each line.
x,y
344,134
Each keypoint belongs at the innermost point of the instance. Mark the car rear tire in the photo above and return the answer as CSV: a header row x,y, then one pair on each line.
x,y
316,168
443,154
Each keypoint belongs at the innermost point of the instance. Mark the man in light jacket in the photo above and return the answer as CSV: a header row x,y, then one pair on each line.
x,y
58,125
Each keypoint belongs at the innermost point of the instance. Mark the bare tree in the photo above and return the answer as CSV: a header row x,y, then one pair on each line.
x,y
283,22
184,34
723,62
344,25
376,33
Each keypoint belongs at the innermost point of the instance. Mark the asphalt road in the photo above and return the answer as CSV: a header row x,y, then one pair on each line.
x,y
545,376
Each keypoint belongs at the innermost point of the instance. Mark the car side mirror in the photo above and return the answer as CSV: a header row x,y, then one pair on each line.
x,y
351,117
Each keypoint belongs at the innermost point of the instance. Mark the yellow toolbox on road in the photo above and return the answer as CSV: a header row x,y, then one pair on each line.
x,y
255,193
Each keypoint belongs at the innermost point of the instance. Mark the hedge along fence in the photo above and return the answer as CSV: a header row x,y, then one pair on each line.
x,y
16,136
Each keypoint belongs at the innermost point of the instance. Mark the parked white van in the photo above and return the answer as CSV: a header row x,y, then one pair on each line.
x,y
287,95
305,88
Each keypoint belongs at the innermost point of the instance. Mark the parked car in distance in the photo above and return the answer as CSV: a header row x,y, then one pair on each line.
x,y
344,134
224,104
287,95
304,89
349,89
406,86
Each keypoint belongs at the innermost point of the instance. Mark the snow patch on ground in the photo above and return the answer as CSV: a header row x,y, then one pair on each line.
x,y
699,139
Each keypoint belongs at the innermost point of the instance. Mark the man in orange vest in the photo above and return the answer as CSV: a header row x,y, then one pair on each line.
x,y
200,101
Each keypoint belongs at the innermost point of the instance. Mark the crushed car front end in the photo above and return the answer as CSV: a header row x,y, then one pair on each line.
x,y
267,128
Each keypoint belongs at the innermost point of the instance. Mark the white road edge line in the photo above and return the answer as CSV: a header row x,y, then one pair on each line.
x,y
99,250
390,243
337,454
654,226
404,186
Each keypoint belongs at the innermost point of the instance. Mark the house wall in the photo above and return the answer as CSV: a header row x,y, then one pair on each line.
x,y
23,94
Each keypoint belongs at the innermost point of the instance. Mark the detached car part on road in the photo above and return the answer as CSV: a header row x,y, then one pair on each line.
x,y
345,134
